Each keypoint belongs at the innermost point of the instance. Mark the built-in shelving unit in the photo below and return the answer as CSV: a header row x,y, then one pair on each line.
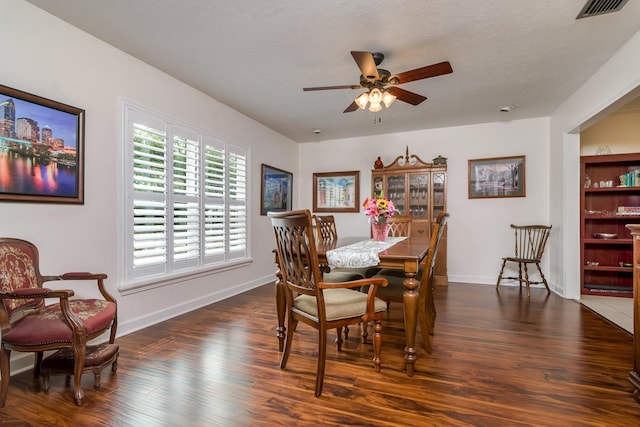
x,y
607,205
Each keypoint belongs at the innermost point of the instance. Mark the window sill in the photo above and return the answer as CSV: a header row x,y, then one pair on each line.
x,y
158,281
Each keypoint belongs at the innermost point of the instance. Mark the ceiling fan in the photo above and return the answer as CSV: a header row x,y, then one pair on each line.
x,y
382,85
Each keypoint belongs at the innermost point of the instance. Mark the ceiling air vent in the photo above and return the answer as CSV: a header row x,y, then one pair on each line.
x,y
600,7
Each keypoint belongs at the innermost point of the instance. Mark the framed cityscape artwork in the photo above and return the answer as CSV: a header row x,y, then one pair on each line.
x,y
497,177
336,191
277,189
41,149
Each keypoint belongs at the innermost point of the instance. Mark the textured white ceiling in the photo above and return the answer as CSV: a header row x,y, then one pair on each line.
x,y
256,56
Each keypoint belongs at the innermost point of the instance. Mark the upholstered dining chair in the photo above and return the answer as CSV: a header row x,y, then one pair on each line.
x,y
426,306
326,230
530,241
29,325
321,305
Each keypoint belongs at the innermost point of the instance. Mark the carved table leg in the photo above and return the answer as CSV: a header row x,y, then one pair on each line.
x,y
281,307
410,298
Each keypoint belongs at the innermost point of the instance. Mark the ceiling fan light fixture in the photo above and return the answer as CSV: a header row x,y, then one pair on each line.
x,y
363,100
375,96
374,107
388,98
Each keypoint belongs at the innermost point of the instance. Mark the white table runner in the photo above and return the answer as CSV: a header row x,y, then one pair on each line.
x,y
360,254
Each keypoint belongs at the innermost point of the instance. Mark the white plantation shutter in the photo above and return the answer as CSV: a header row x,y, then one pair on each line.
x,y
186,197
214,200
237,201
147,205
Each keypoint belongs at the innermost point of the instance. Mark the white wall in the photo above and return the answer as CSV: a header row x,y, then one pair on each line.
x,y
47,57
478,234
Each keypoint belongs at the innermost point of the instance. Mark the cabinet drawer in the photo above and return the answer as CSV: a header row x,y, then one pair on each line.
x,y
420,228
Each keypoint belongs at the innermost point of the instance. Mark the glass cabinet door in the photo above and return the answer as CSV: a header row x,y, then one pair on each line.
x,y
396,192
378,186
419,196
438,193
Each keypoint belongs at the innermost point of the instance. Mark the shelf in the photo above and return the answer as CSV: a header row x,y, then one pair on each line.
x,y
614,217
611,189
607,241
607,268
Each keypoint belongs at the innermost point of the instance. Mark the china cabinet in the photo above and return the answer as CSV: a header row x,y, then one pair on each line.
x,y
610,199
417,189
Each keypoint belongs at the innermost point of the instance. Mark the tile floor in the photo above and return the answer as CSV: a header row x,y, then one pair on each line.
x,y
617,310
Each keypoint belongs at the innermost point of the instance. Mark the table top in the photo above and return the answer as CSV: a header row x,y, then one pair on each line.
x,y
406,254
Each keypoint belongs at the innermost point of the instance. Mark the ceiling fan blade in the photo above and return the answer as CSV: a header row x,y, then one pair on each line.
x,y
422,73
332,87
366,64
406,96
352,107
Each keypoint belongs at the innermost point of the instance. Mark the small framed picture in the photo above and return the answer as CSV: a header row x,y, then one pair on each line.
x,y
41,149
276,190
497,177
336,191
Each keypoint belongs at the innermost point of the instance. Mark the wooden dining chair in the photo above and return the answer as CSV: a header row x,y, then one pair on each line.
x,y
426,306
321,305
399,226
326,230
530,242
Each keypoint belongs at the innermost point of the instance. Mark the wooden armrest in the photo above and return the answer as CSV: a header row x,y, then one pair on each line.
x,y
27,293
81,275
377,281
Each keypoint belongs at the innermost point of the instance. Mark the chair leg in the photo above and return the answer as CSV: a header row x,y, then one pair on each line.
x,y
520,275
365,332
339,338
377,344
322,355
526,279
291,326
346,333
544,281
5,356
36,364
504,262
79,353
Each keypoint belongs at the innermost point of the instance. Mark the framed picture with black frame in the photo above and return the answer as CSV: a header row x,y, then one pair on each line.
x,y
276,190
497,177
41,149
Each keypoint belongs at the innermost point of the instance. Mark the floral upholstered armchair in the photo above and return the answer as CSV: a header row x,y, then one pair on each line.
x,y
30,325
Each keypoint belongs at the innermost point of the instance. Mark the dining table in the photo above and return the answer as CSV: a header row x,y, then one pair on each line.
x,y
405,255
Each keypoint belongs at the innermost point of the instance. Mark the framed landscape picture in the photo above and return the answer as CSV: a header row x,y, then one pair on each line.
x,y
336,191
277,186
497,177
41,149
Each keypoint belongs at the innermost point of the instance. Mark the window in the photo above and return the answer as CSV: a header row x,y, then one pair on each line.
x,y
185,198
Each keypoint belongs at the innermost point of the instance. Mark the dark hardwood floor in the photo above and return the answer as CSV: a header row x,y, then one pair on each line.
x,y
499,359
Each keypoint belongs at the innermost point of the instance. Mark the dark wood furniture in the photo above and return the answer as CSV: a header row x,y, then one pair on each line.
x,y
406,256
634,376
30,325
321,305
96,359
419,190
530,241
604,212
394,292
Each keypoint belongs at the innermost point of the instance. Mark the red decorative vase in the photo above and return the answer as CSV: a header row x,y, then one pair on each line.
x,y
379,231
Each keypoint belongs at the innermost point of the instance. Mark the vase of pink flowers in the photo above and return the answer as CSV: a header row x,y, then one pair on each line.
x,y
379,209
